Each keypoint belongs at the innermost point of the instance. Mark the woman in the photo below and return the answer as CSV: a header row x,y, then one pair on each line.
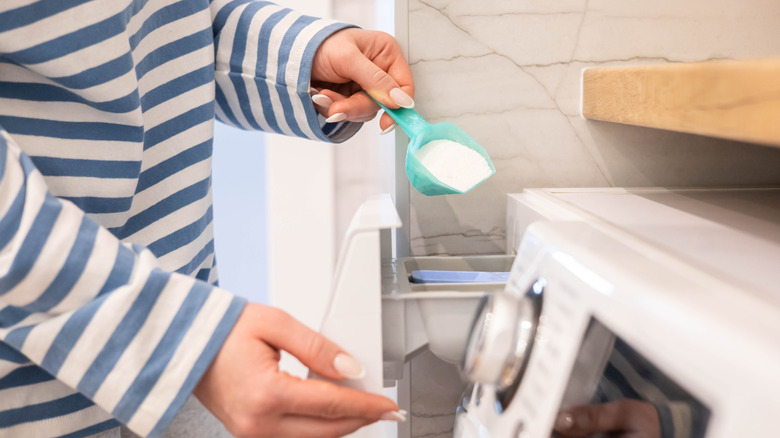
x,y
109,309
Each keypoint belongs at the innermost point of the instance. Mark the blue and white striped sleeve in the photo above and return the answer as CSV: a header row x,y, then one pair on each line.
x,y
97,313
264,58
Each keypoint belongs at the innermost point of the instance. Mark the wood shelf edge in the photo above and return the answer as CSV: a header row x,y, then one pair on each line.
x,y
737,100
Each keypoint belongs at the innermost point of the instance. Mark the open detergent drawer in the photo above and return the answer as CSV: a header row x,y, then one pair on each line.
x,y
438,315
381,318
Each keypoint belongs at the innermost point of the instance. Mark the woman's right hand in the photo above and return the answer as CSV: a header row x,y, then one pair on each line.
x,y
353,62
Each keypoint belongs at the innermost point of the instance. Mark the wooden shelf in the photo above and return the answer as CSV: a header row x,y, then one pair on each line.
x,y
738,100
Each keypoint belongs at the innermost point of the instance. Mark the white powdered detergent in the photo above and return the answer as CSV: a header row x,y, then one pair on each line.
x,y
454,164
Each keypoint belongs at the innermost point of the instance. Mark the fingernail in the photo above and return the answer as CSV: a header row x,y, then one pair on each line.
x,y
389,129
348,367
313,90
398,416
401,99
564,421
338,117
322,100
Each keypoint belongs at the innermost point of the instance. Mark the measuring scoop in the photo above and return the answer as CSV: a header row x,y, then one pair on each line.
x,y
421,132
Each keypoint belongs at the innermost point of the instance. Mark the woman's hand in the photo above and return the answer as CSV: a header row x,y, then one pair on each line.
x,y
621,419
245,390
352,61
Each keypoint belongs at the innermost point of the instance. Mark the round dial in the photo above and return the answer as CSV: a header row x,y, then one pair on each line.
x,y
502,336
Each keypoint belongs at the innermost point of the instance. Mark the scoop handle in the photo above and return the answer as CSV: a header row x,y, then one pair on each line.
x,y
407,118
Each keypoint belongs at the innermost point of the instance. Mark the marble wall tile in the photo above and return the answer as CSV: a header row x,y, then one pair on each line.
x,y
508,73
436,392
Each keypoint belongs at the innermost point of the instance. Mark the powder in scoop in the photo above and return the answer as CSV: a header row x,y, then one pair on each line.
x,y
454,164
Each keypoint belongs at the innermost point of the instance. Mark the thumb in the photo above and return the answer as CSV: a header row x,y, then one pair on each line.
x,y
322,356
378,83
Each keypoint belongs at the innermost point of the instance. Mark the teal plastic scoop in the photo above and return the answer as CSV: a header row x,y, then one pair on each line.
x,y
420,133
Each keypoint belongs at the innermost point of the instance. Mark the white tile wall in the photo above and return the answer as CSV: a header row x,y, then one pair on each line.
x,y
508,72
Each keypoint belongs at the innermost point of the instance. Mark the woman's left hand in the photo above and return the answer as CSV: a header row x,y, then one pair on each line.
x,y
353,61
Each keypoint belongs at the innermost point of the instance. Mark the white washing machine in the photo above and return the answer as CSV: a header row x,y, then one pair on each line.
x,y
631,313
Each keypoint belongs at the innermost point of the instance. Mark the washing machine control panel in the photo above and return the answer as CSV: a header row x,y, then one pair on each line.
x,y
521,351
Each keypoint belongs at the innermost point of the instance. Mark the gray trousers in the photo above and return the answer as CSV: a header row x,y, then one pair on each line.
x,y
192,421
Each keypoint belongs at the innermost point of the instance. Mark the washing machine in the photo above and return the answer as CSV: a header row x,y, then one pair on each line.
x,y
646,312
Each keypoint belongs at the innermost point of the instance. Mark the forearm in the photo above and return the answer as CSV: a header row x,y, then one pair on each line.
x,y
96,313
264,57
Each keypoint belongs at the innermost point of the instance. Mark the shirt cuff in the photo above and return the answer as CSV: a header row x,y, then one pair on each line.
x,y
333,132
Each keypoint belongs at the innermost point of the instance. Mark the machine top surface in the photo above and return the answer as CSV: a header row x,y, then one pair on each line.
x,y
733,234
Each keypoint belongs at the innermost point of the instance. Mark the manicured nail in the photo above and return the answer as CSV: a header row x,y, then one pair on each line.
x,y
338,117
389,129
398,416
348,367
313,90
322,100
564,421
401,99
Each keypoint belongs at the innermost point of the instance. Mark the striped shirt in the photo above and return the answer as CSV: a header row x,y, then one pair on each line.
x,y
109,309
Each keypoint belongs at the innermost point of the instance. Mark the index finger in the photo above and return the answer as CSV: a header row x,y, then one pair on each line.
x,y
401,72
323,399
284,332
391,59
382,67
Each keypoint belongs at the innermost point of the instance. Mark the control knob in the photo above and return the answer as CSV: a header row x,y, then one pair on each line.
x,y
502,336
